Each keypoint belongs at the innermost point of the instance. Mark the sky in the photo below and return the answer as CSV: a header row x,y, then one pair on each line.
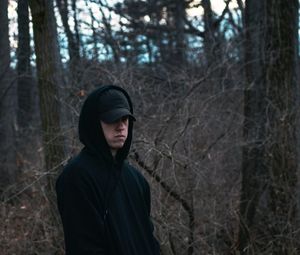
x,y
217,6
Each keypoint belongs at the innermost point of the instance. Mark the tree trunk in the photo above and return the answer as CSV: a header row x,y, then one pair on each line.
x,y
253,169
73,45
180,47
211,38
76,26
281,50
108,34
25,82
49,80
209,35
64,13
94,36
4,39
268,202
8,169
176,39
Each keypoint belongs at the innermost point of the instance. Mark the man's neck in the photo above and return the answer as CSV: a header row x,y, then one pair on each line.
x,y
113,152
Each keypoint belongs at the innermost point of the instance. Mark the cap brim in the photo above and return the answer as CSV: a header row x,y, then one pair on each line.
x,y
116,114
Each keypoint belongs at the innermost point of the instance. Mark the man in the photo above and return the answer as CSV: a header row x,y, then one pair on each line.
x,y
103,201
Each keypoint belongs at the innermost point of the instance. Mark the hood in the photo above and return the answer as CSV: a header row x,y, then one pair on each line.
x,y
90,130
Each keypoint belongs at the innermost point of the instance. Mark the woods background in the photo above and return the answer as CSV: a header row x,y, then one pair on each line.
x,y
215,92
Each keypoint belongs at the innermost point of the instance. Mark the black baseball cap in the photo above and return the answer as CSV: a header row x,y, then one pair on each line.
x,y
113,105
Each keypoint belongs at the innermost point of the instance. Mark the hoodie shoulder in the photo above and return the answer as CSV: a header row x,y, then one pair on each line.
x,y
77,169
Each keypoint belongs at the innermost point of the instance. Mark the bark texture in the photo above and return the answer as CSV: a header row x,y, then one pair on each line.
x,y
8,171
268,195
49,80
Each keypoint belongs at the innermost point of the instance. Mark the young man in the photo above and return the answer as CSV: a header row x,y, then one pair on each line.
x,y
103,201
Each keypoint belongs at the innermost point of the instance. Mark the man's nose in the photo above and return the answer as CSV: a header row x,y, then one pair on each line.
x,y
120,124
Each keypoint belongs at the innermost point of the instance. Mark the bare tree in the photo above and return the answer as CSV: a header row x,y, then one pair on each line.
x,y
25,85
73,42
177,41
49,79
73,45
268,202
7,113
211,32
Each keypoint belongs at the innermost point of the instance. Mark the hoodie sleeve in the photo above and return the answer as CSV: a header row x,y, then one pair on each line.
x,y
82,222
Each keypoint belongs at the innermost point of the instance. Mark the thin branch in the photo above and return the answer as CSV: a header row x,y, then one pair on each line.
x,y
163,184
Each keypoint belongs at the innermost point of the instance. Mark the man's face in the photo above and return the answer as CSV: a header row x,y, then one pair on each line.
x,y
115,133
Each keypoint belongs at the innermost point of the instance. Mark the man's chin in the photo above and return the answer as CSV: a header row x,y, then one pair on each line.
x,y
118,146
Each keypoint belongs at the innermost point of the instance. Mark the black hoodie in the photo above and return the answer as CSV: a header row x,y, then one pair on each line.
x,y
103,201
